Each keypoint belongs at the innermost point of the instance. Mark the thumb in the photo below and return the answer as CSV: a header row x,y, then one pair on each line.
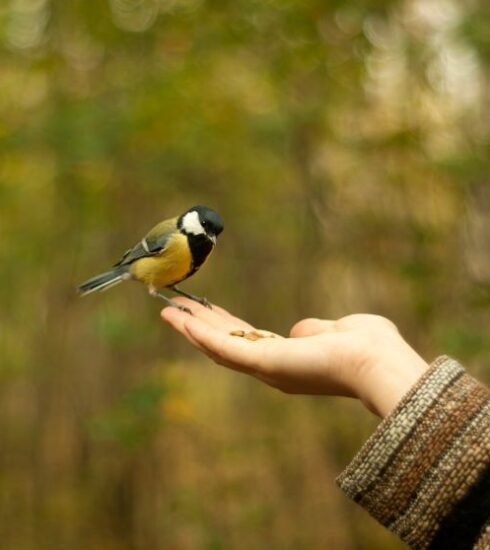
x,y
312,327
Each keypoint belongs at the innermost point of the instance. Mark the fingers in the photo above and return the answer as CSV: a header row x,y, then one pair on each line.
x,y
217,316
312,327
212,335
236,321
231,351
176,318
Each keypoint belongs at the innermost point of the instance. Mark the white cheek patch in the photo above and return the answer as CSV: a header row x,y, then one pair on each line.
x,y
191,224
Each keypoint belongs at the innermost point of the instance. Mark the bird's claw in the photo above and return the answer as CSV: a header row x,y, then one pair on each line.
x,y
200,300
170,302
205,302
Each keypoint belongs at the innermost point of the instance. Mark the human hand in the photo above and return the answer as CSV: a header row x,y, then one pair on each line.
x,y
361,356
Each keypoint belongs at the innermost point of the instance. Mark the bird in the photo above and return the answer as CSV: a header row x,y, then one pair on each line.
x,y
169,253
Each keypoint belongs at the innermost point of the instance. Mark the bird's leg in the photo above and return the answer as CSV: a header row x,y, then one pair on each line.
x,y
154,292
203,301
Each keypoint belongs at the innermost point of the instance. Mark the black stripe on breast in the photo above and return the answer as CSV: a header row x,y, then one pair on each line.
x,y
201,246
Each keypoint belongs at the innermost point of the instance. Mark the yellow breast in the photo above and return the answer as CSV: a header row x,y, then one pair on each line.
x,y
168,268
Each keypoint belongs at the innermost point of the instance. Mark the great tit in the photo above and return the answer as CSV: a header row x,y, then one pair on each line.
x,y
171,252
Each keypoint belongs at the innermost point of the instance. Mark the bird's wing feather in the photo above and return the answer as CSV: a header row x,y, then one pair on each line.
x,y
152,244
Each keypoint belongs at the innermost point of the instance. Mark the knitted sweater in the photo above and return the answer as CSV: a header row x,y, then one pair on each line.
x,y
425,472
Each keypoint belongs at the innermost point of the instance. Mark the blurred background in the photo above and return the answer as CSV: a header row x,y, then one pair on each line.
x,y
346,145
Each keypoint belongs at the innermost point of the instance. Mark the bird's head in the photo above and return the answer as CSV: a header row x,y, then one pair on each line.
x,y
201,220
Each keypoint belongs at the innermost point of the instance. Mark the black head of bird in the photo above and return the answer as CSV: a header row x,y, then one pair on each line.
x,y
200,220
170,252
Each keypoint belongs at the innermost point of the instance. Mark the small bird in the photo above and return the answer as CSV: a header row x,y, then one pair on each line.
x,y
171,252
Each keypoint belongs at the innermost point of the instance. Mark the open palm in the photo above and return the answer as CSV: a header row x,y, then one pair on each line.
x,y
360,355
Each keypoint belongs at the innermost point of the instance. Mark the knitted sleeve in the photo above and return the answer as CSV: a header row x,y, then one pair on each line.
x,y
425,472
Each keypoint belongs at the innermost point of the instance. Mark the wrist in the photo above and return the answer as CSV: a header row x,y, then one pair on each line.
x,y
389,377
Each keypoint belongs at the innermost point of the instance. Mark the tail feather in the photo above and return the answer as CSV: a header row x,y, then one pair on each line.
x,y
103,281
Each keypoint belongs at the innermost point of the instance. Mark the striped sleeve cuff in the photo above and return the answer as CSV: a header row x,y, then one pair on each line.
x,y
425,472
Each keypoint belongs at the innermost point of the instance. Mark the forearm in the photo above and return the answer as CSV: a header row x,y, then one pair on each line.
x,y
425,472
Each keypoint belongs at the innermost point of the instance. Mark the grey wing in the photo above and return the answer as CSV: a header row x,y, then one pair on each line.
x,y
148,246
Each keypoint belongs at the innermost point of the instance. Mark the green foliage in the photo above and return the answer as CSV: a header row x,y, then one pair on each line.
x,y
460,341
135,417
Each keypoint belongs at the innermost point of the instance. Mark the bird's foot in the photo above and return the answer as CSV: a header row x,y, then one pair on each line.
x,y
200,300
170,302
180,307
204,302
